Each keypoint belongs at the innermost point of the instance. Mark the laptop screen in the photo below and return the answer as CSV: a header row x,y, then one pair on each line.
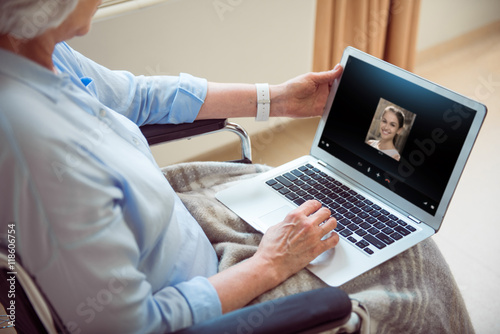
x,y
401,135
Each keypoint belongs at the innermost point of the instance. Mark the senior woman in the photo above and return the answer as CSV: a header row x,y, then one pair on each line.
x,y
96,222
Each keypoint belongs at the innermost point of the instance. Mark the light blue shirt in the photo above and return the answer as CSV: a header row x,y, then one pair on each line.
x,y
96,222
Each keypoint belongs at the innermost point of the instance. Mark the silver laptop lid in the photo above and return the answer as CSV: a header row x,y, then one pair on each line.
x,y
415,167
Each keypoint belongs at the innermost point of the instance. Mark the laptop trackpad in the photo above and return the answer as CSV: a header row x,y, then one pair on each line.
x,y
276,216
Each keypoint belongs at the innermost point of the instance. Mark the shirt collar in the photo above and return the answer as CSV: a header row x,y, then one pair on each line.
x,y
31,74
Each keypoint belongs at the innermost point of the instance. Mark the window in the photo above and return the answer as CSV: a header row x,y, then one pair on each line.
x,y
111,8
106,3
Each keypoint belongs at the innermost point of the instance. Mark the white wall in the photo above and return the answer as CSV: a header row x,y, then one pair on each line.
x,y
243,41
443,20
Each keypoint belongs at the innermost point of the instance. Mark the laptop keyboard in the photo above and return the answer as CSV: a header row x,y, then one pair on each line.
x,y
359,220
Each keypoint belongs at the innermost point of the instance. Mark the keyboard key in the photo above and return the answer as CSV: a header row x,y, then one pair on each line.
x,y
353,240
352,192
411,228
342,210
353,227
334,206
301,193
271,182
391,224
348,205
383,218
387,230
367,208
374,241
361,232
297,173
284,191
368,250
385,238
290,177
360,204
365,225
350,215
284,181
371,220
346,233
316,177
277,186
299,183
356,220
305,178
363,215
402,230
362,244
327,200
322,181
339,227
355,210
396,236
320,196
400,222
299,201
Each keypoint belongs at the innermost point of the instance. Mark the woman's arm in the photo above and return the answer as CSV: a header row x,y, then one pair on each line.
x,y
303,96
285,249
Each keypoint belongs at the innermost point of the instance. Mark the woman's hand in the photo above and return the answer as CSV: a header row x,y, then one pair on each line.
x,y
285,249
303,96
291,245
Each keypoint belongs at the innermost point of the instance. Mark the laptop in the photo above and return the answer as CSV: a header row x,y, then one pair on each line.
x,y
386,159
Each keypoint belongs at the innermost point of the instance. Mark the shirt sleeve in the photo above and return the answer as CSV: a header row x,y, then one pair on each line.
x,y
142,99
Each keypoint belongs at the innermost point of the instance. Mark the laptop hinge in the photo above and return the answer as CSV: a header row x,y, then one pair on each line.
x,y
414,219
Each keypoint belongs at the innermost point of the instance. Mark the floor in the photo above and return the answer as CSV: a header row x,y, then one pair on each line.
x,y
473,255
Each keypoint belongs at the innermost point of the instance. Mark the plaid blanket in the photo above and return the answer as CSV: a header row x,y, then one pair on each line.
x,y
414,292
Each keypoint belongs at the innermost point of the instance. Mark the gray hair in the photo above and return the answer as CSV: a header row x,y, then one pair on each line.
x,y
27,19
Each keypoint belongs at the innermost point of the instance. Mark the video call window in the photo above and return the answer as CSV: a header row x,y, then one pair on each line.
x,y
389,129
425,150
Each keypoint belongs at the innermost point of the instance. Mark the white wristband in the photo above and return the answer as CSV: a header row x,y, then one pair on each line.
x,y
263,102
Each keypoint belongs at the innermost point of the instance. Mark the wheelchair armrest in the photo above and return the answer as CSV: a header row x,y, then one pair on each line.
x,y
312,312
159,133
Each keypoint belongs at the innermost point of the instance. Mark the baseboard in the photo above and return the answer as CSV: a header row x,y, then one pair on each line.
x,y
456,43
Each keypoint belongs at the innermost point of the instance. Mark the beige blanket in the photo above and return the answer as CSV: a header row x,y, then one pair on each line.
x,y
413,293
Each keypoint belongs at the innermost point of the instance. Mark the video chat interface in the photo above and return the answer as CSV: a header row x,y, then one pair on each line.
x,y
429,144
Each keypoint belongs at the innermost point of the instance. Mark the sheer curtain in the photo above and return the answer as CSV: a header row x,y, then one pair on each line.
x,y
386,29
